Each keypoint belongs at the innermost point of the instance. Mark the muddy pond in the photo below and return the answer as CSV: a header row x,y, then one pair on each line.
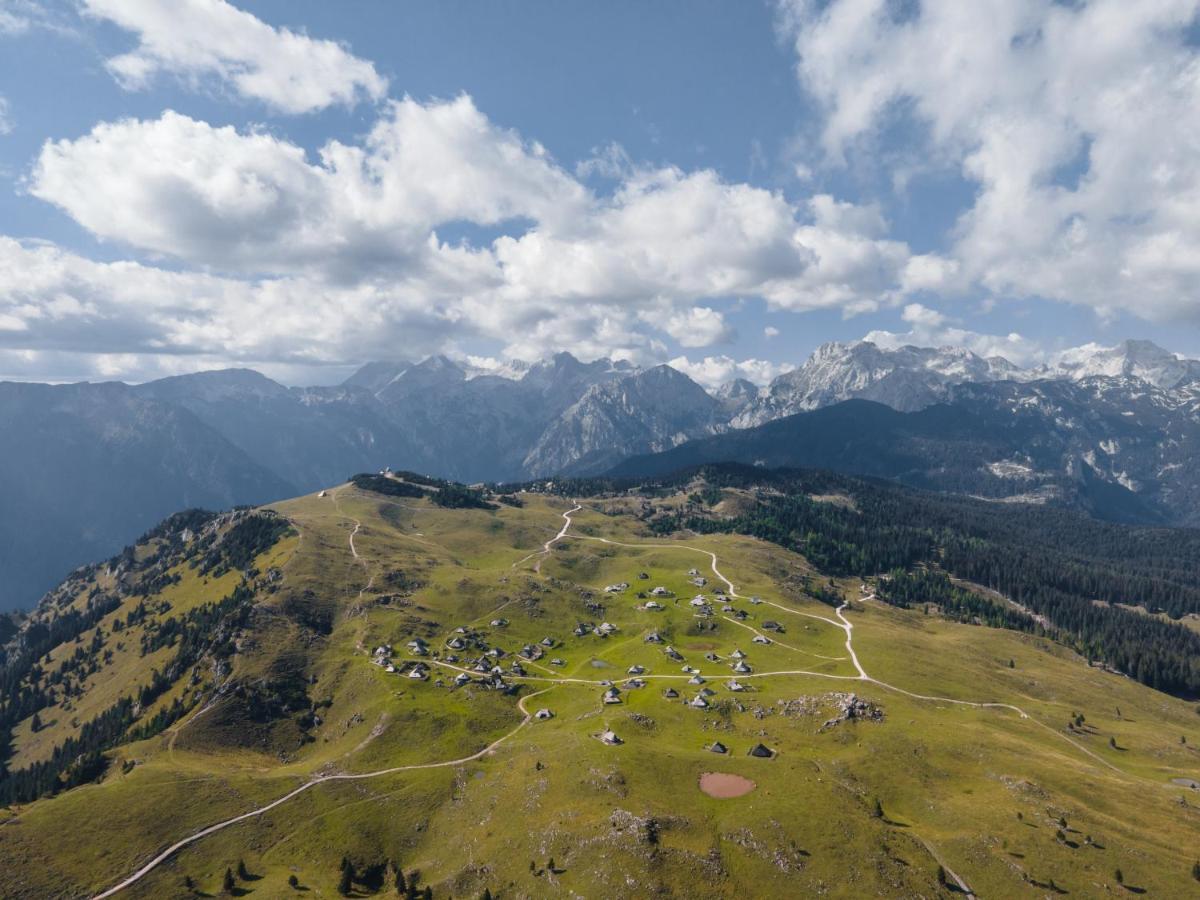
x,y
724,785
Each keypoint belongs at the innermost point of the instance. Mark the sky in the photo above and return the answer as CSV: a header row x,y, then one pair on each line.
x,y
300,186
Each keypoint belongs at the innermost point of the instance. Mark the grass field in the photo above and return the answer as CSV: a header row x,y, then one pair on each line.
x,y
1012,802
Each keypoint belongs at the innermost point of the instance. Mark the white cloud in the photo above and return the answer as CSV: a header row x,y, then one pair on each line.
x,y
770,331
1076,121
253,201
194,39
713,371
12,22
698,326
572,269
6,124
930,328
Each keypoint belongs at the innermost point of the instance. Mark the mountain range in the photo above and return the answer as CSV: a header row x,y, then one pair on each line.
x,y
85,468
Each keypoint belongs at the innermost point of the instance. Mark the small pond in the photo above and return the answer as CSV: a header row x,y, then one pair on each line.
x,y
724,785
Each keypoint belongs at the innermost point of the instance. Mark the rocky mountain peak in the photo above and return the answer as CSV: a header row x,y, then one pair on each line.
x,y
1131,358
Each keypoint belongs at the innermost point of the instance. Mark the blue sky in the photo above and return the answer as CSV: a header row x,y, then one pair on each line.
x,y
724,185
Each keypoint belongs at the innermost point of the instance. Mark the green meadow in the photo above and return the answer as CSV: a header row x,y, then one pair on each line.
x,y
1026,802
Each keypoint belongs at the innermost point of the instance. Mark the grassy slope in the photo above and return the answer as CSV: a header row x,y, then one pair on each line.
x,y
951,779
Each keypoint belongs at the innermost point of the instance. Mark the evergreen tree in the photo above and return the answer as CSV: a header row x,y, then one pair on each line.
x,y
1196,870
346,881
1120,876
877,812
293,882
242,873
35,724
427,894
400,885
227,883
486,895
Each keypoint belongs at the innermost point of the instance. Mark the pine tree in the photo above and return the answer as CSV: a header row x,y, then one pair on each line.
x,y
877,812
1196,870
293,882
228,884
486,895
346,881
35,724
941,876
550,865
428,893
188,883
242,873
1120,876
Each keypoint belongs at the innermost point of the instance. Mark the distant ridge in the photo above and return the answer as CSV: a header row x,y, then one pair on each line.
x,y
1112,430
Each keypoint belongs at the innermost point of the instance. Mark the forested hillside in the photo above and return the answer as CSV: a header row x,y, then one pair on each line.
x,y
1073,570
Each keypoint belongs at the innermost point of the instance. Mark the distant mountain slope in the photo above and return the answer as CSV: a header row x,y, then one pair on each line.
x,y
954,448
85,468
651,410
310,437
906,378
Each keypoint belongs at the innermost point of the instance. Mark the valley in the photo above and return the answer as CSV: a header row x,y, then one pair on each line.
x,y
976,759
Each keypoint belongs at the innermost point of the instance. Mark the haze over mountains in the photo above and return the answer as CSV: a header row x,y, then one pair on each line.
x,y
86,468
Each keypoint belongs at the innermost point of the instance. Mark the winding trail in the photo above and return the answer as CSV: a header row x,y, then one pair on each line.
x,y
320,779
848,627
550,543
842,622
353,549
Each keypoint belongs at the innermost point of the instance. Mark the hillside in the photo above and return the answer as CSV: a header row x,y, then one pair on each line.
x,y
86,468
963,448
247,680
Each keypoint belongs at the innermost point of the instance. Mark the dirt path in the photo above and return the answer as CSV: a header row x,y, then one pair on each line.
x,y
848,627
842,622
353,549
320,779
550,543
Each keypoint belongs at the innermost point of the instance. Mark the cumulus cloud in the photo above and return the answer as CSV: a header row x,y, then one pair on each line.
x,y
1075,121
713,371
58,302
619,273
698,326
6,123
197,39
931,328
253,201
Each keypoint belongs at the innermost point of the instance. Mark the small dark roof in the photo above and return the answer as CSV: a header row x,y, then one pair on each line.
x,y
762,750
670,692
718,747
